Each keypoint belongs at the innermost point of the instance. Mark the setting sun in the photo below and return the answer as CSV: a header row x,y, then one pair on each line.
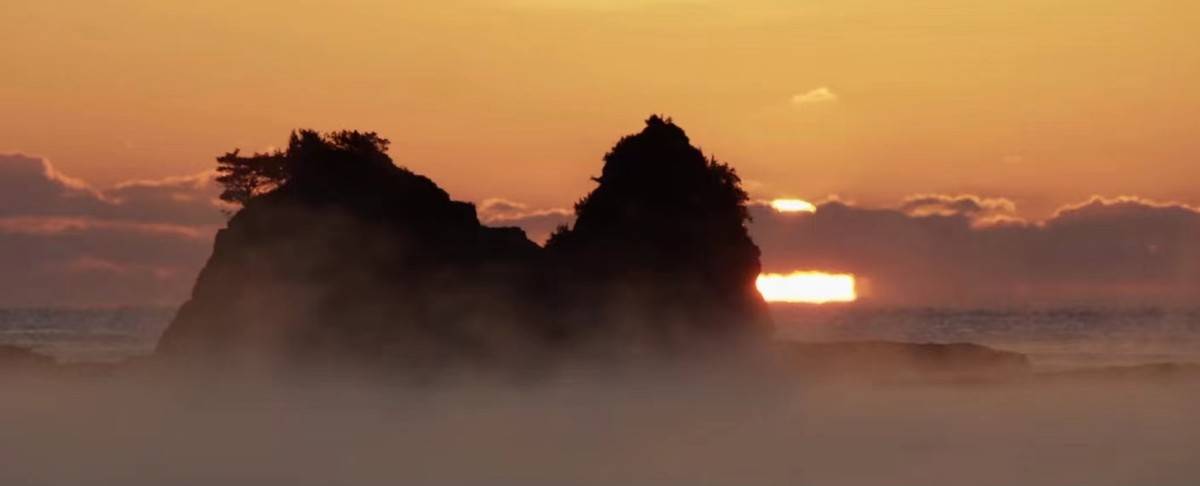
x,y
793,206
807,287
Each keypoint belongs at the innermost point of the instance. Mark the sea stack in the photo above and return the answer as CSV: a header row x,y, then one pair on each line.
x,y
339,255
351,257
659,254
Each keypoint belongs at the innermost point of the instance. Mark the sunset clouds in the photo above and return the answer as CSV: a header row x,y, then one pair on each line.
x,y
32,186
963,204
64,242
537,223
942,250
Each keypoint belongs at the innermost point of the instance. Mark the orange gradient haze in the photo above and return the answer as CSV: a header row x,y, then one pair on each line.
x,y
871,100
943,152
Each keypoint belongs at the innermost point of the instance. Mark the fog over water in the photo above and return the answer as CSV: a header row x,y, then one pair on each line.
x,y
647,424
1053,338
669,426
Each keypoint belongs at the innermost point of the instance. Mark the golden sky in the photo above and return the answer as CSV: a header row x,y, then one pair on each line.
x,y
1044,102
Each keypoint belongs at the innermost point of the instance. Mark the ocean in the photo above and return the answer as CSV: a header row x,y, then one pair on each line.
x,y
1054,339
74,335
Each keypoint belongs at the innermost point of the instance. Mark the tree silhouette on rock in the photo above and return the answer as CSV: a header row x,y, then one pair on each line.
x,y
340,253
659,252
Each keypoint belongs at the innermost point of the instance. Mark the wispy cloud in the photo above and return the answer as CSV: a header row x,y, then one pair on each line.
x,y
537,223
964,204
815,96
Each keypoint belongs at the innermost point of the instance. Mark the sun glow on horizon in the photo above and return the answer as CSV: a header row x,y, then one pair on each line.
x,y
807,287
793,206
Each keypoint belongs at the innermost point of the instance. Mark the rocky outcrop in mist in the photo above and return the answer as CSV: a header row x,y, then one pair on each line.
x,y
337,253
353,256
659,253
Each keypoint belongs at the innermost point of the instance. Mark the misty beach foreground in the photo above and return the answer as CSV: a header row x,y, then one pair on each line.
x,y
652,427
861,413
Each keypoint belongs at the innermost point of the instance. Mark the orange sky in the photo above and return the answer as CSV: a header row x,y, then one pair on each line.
x,y
1045,102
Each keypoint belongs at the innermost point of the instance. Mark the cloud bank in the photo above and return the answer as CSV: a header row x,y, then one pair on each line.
x,y
967,250
964,204
537,223
970,250
64,242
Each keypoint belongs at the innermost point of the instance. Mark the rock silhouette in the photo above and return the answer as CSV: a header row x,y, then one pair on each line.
x,y
339,254
659,253
353,256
